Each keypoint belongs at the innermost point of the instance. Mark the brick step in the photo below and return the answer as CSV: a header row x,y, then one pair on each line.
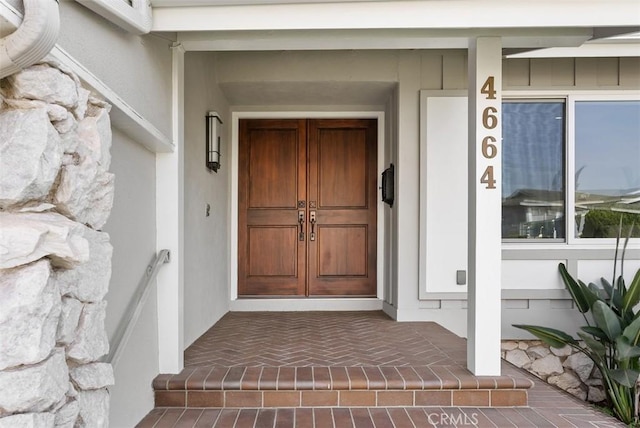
x,y
257,387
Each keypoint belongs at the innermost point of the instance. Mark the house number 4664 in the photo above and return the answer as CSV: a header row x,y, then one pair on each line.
x,y
489,122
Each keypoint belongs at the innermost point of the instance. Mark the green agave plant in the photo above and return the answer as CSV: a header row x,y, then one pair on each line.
x,y
611,337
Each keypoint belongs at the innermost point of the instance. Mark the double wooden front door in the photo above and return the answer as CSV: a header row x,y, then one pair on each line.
x,y
307,207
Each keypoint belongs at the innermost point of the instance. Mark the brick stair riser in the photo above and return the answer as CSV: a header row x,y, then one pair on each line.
x,y
342,398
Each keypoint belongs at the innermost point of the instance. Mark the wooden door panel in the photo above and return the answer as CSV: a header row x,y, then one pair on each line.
x,y
342,166
269,186
342,251
273,251
271,181
342,193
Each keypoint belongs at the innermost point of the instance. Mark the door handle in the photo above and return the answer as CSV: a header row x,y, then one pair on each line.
x,y
301,222
312,220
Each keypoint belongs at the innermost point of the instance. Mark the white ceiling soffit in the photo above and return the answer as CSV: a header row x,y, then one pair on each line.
x,y
529,38
592,50
621,44
187,3
434,14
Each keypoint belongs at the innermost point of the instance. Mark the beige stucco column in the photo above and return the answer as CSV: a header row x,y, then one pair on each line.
x,y
485,209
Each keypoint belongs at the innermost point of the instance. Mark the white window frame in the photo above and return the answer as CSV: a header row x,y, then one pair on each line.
x,y
571,167
136,17
570,98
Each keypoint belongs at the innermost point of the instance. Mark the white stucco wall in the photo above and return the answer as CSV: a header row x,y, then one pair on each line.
x,y
132,228
137,68
206,243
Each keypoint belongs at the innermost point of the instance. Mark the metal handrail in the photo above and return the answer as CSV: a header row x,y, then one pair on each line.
x,y
130,318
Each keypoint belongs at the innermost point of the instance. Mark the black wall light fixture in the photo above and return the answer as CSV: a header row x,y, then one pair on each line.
x,y
388,188
213,141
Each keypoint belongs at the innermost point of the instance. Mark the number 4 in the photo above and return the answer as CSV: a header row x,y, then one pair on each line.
x,y
487,178
488,88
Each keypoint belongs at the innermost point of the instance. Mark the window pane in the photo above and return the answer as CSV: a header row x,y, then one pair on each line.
x,y
607,167
532,169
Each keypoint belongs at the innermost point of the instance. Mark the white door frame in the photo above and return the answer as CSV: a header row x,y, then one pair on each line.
x,y
298,304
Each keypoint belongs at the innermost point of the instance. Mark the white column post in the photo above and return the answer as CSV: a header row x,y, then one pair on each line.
x,y
170,230
485,210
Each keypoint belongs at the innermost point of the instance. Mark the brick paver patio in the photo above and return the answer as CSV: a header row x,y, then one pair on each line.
x,y
349,369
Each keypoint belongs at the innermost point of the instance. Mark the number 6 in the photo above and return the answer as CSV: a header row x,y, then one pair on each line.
x,y
489,150
489,119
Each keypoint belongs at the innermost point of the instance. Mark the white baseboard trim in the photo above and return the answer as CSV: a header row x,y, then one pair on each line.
x,y
282,305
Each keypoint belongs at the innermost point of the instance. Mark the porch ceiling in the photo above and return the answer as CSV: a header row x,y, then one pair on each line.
x,y
215,15
245,25
399,38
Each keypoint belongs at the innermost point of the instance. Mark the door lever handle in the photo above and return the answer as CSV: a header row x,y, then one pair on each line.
x,y
312,220
301,222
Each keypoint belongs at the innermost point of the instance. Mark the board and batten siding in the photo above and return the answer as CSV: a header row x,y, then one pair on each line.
x,y
577,73
532,289
447,70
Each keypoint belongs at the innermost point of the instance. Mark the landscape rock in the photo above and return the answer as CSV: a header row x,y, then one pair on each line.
x,y
547,366
72,392
83,99
91,341
594,381
28,420
565,381
69,318
92,376
89,281
565,351
580,364
508,345
85,193
94,409
67,416
518,358
94,133
27,237
30,155
85,190
43,82
56,192
34,388
65,125
536,352
578,392
573,373
29,310
596,395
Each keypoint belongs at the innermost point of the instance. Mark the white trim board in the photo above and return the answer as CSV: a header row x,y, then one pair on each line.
x,y
442,250
306,304
233,237
123,116
491,14
135,17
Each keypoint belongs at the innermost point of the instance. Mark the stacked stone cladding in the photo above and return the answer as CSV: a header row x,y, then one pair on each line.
x,y
56,193
565,367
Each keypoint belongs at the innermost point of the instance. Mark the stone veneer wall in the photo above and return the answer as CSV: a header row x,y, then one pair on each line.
x,y
563,367
55,264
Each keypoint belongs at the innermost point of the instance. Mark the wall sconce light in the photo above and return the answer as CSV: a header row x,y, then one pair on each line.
x,y
213,141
